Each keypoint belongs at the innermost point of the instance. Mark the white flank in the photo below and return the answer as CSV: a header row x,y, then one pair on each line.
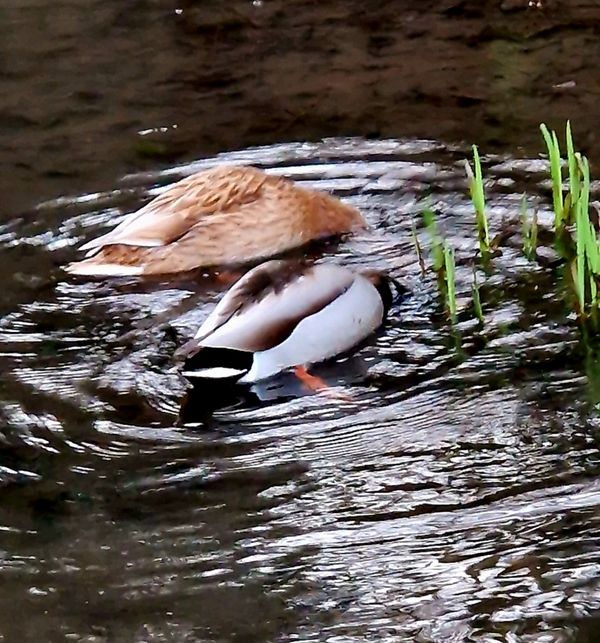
x,y
129,241
323,282
103,269
216,373
338,327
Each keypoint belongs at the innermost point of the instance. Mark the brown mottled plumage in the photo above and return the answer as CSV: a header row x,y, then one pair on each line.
x,y
224,215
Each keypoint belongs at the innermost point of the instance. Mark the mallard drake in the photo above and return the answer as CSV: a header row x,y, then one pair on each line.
x,y
285,314
224,215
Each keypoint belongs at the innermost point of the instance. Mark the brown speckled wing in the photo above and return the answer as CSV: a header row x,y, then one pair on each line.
x,y
173,213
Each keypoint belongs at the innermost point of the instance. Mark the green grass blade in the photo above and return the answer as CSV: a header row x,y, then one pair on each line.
x,y
529,230
476,298
592,246
437,250
418,249
574,172
587,261
581,231
534,233
584,195
475,176
555,174
450,282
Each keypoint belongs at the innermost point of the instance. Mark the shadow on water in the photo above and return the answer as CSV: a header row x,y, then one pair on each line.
x,y
445,496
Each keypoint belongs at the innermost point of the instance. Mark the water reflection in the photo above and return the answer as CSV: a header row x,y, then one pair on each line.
x,y
448,496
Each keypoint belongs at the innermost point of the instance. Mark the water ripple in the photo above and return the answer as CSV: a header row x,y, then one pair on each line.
x,y
445,489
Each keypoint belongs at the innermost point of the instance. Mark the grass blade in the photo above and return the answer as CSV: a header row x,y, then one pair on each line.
x,y
418,249
555,173
450,282
437,250
581,232
476,298
475,177
529,230
574,173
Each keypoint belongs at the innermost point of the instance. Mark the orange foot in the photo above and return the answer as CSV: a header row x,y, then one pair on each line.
x,y
317,385
311,382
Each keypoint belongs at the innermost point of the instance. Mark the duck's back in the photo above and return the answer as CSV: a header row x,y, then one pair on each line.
x,y
330,331
225,215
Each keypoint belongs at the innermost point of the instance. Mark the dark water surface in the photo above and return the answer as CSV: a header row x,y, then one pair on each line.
x,y
448,489
448,495
93,89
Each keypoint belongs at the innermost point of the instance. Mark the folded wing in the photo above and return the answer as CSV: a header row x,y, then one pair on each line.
x,y
171,215
263,308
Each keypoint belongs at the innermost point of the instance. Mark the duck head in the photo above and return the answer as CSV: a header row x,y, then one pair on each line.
x,y
390,290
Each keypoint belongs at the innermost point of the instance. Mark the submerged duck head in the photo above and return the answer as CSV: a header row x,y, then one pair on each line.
x,y
390,290
329,217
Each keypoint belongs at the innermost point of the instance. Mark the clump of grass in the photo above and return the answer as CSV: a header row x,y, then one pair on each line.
x,y
563,204
443,264
583,256
586,266
437,243
573,209
529,230
475,177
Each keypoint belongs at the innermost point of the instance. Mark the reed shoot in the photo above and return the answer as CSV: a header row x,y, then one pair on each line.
x,y
573,161
450,282
555,174
477,308
437,243
418,249
442,257
529,230
478,198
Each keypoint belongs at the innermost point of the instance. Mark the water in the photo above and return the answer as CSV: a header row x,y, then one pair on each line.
x,y
94,89
446,491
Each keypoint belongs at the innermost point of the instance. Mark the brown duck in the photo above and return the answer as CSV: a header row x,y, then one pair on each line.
x,y
221,216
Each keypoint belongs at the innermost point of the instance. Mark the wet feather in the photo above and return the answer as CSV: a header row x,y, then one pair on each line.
x,y
225,215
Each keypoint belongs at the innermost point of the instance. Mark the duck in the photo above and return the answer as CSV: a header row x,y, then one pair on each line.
x,y
287,315
225,215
